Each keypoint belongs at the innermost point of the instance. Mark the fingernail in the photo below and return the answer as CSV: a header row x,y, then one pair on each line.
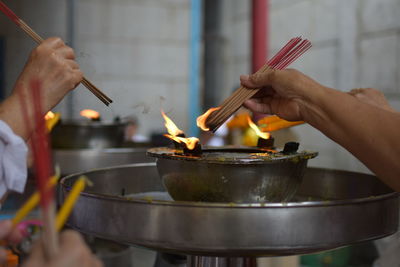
x,y
244,77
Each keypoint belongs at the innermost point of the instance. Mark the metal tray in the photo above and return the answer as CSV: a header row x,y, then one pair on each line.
x,y
331,209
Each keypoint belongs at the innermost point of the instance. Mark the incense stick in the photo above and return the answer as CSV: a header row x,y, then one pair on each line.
x,y
41,154
287,55
28,30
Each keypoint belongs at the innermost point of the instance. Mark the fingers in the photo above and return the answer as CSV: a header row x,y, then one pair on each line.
x,y
5,228
78,252
259,80
259,105
15,236
72,64
371,96
66,52
77,77
73,252
53,42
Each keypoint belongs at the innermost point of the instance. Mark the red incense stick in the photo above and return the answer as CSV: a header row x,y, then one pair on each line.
x,y
287,55
42,165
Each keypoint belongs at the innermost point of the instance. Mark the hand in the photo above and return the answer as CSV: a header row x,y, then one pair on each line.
x,y
371,96
52,63
285,93
8,234
73,252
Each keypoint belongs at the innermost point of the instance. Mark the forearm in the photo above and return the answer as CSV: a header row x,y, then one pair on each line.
x,y
370,133
12,113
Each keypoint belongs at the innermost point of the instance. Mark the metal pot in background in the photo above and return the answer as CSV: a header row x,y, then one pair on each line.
x,y
87,134
79,160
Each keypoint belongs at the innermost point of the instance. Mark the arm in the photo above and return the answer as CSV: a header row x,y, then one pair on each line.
x,y
369,132
52,64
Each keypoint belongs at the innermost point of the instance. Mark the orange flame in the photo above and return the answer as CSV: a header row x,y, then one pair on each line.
x,y
49,115
257,130
201,120
172,129
90,114
190,142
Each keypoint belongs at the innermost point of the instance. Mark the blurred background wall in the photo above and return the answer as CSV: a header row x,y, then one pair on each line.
x,y
356,43
138,52
134,50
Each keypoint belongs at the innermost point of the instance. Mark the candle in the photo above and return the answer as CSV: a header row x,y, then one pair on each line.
x,y
32,202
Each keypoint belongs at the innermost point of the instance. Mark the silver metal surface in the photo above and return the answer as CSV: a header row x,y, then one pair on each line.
x,y
239,175
79,160
87,134
201,261
331,209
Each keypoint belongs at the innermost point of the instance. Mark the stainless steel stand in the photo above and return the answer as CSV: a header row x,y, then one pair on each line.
x,y
201,261
331,209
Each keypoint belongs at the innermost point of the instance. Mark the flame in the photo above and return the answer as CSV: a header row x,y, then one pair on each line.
x,y
90,114
49,115
172,129
190,142
201,120
51,119
257,130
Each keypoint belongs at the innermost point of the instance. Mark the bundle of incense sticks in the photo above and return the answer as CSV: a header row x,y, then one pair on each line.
x,y
42,165
287,55
28,30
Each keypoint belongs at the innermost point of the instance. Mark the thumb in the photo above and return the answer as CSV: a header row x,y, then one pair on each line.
x,y
258,80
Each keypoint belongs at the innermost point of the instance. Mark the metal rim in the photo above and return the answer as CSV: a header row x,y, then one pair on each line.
x,y
92,124
105,150
259,156
219,205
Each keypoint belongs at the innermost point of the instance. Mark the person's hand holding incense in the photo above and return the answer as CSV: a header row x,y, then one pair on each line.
x,y
285,93
52,64
8,234
368,129
73,252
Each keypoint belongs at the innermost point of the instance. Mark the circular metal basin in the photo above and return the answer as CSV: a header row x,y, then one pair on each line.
x,y
331,209
231,174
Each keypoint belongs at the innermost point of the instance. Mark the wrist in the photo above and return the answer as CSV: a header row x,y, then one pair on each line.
x,y
12,113
312,105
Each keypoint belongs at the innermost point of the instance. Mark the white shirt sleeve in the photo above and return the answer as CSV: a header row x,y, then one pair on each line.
x,y
13,160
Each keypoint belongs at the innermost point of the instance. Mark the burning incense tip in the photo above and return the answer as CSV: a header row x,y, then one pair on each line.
x,y
90,114
202,119
177,135
172,129
259,133
190,142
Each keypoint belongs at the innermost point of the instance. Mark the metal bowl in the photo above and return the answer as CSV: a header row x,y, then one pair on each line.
x,y
79,160
87,134
231,174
